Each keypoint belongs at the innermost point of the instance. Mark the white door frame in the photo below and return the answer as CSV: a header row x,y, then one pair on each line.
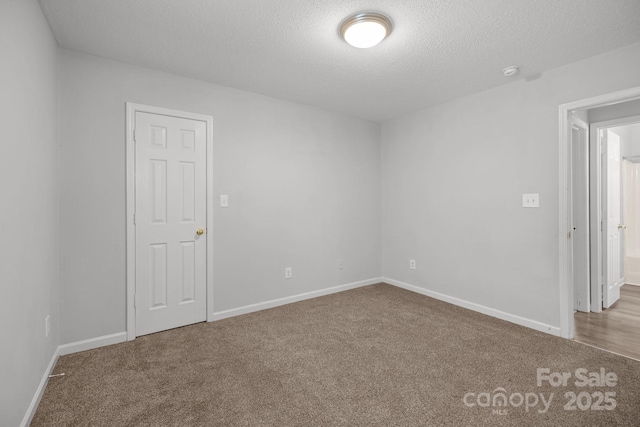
x,y
580,175
595,209
131,110
566,197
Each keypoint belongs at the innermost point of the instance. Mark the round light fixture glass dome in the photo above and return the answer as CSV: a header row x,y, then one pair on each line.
x,y
364,30
509,71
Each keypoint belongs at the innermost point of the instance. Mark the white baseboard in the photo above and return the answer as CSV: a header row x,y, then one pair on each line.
x,y
33,406
63,350
295,298
533,324
120,337
92,343
632,284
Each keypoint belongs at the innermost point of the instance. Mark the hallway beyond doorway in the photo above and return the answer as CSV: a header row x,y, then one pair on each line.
x,y
617,328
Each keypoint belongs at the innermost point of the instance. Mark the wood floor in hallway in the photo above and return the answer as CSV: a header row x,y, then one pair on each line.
x,y
617,328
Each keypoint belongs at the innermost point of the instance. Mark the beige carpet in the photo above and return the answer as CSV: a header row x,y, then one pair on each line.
x,y
374,356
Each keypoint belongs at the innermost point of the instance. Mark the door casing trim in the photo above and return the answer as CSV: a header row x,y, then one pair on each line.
x,y
585,203
131,110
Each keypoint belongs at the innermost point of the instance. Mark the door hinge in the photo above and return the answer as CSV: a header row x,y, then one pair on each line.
x,y
568,234
134,219
134,135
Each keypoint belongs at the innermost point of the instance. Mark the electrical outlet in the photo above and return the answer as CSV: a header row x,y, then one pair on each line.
x,y
412,264
47,326
340,264
531,200
288,273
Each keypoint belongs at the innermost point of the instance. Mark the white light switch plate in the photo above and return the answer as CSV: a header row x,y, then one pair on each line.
x,y
531,200
224,201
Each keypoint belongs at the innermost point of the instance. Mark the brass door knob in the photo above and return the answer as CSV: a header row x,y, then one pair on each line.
x,y
199,231
622,226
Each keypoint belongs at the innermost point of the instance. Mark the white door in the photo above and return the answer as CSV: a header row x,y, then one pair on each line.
x,y
611,196
170,174
580,214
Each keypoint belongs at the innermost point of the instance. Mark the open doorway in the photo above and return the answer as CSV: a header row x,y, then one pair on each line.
x,y
603,222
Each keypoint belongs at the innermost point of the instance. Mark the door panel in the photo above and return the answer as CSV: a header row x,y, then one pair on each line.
x,y
170,207
612,202
158,275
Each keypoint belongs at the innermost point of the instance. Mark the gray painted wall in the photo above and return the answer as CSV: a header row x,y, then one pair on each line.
x,y
28,216
303,186
615,111
632,146
453,179
629,139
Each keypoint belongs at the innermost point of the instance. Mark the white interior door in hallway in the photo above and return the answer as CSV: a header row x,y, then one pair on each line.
x,y
170,222
612,204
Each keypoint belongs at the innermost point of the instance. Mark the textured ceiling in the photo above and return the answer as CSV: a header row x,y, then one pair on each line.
x,y
290,49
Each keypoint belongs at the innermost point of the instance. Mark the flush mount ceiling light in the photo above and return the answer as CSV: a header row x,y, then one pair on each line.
x,y
364,30
510,71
